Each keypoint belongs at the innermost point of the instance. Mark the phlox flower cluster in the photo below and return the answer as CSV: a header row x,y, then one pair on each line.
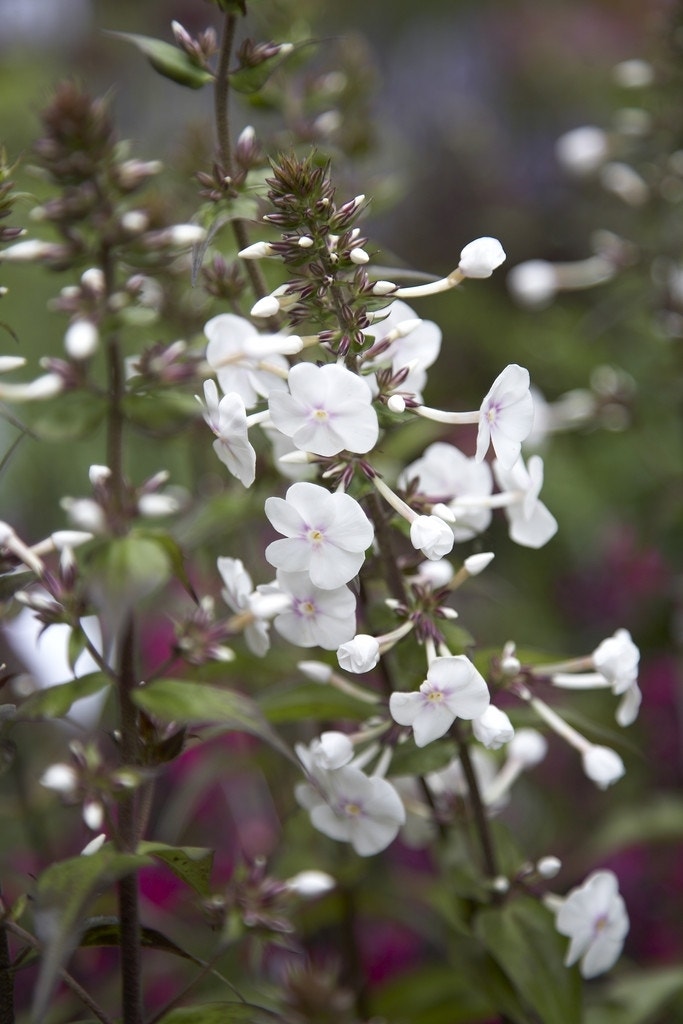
x,y
328,414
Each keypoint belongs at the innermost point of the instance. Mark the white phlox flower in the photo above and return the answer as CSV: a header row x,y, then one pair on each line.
x,y
453,689
315,617
227,419
238,594
583,150
325,534
327,409
246,362
506,415
530,522
594,918
330,750
446,474
617,659
351,807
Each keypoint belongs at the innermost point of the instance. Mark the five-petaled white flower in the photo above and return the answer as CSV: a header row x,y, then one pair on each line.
x,y
594,917
228,420
351,807
506,415
315,617
326,410
241,357
238,593
453,689
531,523
326,534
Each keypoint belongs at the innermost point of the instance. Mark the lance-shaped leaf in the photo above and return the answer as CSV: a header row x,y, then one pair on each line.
x,y
105,931
63,893
521,938
122,571
252,77
168,60
192,864
57,701
190,703
221,1013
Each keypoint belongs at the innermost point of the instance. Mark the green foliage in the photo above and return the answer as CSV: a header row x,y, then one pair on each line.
x,y
63,892
70,417
305,701
168,60
190,703
192,864
644,997
221,1013
56,701
521,937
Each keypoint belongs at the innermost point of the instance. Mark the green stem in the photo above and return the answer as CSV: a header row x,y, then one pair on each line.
x,y
481,823
6,978
224,137
129,910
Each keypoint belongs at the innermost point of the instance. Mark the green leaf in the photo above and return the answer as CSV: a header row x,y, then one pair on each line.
x,y
221,1013
250,79
168,60
411,760
189,703
521,938
56,701
434,995
70,417
311,701
192,864
63,892
105,931
641,998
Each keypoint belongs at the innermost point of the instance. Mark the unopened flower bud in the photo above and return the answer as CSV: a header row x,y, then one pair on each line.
x,y
359,256
582,150
396,403
481,257
266,307
305,242
95,845
257,251
475,564
98,475
316,671
62,778
311,884
153,505
529,746
360,654
93,281
533,283
134,222
81,339
9,363
548,867
602,765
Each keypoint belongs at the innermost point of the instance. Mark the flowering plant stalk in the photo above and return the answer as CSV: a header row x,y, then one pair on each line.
x,y
311,587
